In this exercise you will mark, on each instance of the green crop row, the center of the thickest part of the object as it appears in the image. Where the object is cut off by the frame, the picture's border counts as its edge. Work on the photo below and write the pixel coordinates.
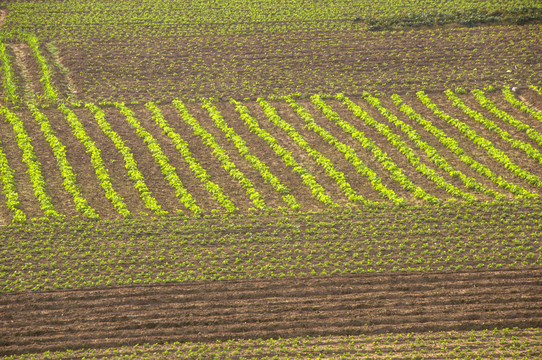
(199, 172)
(520, 105)
(66, 171)
(222, 156)
(30, 159)
(323, 161)
(492, 151)
(536, 89)
(396, 141)
(50, 91)
(308, 179)
(9, 189)
(529, 150)
(507, 118)
(432, 153)
(454, 147)
(243, 149)
(8, 78)
(131, 165)
(96, 160)
(156, 151)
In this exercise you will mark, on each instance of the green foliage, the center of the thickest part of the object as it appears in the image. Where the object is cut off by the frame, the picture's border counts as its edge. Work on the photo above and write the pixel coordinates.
(8, 78)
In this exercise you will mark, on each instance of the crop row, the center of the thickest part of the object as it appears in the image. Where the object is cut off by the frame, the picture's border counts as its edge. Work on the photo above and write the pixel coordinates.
(243, 149)
(159, 156)
(398, 143)
(507, 118)
(96, 160)
(527, 148)
(520, 105)
(66, 171)
(320, 159)
(504, 343)
(131, 165)
(50, 92)
(9, 189)
(431, 152)
(492, 151)
(454, 147)
(222, 156)
(8, 77)
(32, 162)
(308, 179)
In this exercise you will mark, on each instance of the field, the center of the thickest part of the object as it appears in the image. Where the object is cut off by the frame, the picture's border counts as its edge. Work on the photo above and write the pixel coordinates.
(262, 179)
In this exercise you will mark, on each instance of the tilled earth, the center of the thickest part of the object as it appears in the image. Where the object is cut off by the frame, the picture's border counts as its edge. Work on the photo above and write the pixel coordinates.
(288, 307)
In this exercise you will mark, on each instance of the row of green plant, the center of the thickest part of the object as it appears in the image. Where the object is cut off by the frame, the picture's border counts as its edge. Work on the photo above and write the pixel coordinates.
(199, 172)
(431, 152)
(503, 343)
(507, 118)
(34, 166)
(518, 144)
(521, 105)
(243, 149)
(536, 89)
(222, 156)
(66, 171)
(396, 141)
(50, 92)
(156, 151)
(9, 189)
(348, 151)
(130, 164)
(328, 166)
(487, 145)
(8, 77)
(96, 160)
(454, 147)
(318, 192)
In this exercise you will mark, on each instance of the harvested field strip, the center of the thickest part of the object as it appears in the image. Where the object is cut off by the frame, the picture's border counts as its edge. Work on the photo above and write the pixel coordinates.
(328, 306)
(222, 156)
(365, 241)
(495, 343)
(130, 163)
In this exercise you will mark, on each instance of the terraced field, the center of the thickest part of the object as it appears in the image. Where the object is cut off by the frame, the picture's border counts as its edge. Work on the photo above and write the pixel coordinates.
(241, 180)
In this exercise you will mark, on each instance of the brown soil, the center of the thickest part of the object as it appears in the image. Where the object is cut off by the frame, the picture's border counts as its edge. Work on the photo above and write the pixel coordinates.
(27, 70)
(3, 14)
(210, 311)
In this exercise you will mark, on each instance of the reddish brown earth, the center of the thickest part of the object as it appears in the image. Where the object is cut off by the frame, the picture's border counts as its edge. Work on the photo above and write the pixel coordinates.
(209, 311)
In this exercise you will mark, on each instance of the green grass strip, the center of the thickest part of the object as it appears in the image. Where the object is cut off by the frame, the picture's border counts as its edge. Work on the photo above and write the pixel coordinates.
(131, 165)
(517, 144)
(199, 172)
(221, 155)
(34, 166)
(8, 77)
(243, 149)
(348, 152)
(452, 145)
(156, 151)
(318, 192)
(96, 160)
(59, 150)
(485, 144)
(507, 118)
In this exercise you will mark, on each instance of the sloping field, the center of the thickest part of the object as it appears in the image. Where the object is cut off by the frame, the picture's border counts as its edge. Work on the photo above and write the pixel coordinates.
(259, 179)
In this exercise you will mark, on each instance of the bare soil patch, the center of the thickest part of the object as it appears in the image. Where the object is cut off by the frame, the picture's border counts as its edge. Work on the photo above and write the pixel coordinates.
(210, 311)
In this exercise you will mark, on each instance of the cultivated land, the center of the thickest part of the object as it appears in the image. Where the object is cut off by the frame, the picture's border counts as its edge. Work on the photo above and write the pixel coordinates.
(241, 179)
